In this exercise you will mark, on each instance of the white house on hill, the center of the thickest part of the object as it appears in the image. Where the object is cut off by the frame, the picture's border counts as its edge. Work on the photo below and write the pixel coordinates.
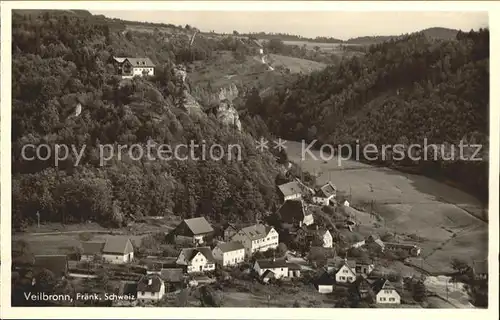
(130, 67)
(229, 254)
(257, 238)
(278, 267)
(196, 259)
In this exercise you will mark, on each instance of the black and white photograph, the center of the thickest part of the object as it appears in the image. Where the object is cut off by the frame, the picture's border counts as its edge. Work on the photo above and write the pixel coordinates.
(249, 158)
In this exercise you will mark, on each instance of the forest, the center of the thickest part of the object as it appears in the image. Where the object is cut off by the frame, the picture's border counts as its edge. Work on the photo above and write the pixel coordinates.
(402, 91)
(62, 60)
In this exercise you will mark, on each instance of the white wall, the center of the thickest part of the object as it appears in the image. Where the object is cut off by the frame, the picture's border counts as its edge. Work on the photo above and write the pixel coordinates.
(115, 259)
(308, 220)
(345, 275)
(327, 240)
(388, 296)
(278, 272)
(233, 257)
(293, 197)
(271, 241)
(152, 295)
(200, 264)
(325, 288)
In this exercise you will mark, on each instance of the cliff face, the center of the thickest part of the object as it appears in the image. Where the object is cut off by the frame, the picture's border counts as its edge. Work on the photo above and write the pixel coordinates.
(225, 111)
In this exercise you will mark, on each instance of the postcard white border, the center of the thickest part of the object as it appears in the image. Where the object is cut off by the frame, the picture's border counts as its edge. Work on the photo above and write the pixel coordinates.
(9, 312)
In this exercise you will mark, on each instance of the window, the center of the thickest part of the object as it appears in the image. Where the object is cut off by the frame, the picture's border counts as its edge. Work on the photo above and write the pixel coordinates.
(387, 291)
(345, 271)
(342, 278)
(392, 299)
(382, 299)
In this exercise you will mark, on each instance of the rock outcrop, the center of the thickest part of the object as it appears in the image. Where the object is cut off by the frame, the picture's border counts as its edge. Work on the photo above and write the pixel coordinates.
(185, 100)
(225, 111)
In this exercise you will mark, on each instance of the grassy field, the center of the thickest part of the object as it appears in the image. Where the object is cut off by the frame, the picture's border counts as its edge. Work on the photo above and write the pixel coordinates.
(444, 217)
(311, 45)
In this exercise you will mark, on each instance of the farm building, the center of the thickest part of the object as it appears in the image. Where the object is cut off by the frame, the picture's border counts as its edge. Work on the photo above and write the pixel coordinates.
(118, 250)
(91, 250)
(173, 278)
(385, 292)
(195, 230)
(325, 283)
(56, 264)
(411, 249)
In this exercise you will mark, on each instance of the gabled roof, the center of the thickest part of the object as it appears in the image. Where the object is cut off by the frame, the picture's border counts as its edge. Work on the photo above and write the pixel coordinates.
(326, 191)
(271, 264)
(172, 274)
(480, 267)
(92, 247)
(149, 283)
(118, 245)
(57, 264)
(140, 62)
(382, 284)
(198, 225)
(293, 211)
(325, 279)
(290, 188)
(190, 253)
(256, 231)
(230, 246)
(293, 266)
(338, 262)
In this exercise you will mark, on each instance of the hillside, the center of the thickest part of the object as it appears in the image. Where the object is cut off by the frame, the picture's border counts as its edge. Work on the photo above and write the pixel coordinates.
(401, 91)
(62, 60)
(433, 33)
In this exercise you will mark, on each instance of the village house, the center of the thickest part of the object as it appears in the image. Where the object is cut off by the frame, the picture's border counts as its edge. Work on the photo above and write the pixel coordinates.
(325, 195)
(325, 283)
(195, 230)
(295, 213)
(173, 278)
(257, 237)
(410, 249)
(278, 267)
(229, 253)
(385, 292)
(293, 270)
(326, 238)
(56, 264)
(198, 259)
(322, 236)
(91, 250)
(118, 250)
(150, 288)
(480, 270)
(290, 191)
(129, 67)
(346, 273)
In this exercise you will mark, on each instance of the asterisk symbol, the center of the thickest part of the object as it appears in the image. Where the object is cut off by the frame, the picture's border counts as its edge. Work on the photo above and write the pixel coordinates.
(280, 144)
(262, 144)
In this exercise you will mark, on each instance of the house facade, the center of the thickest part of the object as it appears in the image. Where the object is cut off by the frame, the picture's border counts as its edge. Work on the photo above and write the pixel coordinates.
(131, 67)
(364, 267)
(118, 250)
(325, 283)
(195, 230)
(229, 254)
(327, 238)
(257, 238)
(278, 267)
(150, 288)
(386, 293)
(325, 195)
(196, 259)
(290, 191)
(229, 232)
(345, 274)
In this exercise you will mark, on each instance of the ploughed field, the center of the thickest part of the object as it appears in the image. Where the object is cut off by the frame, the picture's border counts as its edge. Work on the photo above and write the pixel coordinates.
(445, 218)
